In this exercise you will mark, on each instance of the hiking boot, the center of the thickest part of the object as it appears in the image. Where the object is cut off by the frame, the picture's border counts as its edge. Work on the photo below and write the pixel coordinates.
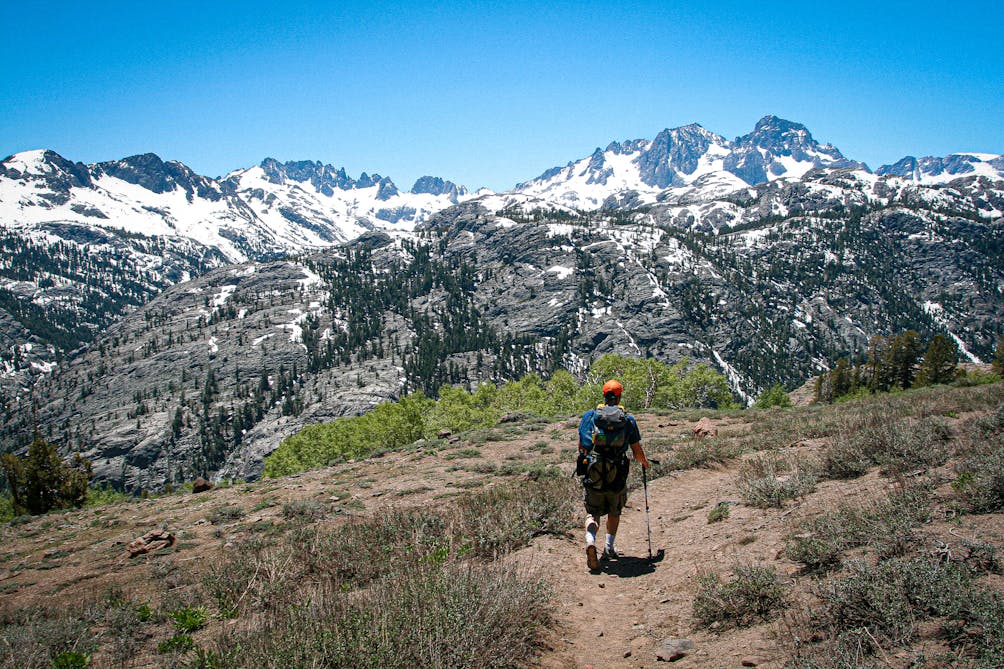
(591, 561)
(609, 554)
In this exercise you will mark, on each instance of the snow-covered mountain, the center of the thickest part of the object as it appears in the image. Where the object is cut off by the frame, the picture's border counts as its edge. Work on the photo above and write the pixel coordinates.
(932, 170)
(693, 164)
(636, 172)
(253, 213)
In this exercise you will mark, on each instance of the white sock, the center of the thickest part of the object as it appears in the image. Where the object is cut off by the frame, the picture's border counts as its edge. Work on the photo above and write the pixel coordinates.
(610, 541)
(590, 532)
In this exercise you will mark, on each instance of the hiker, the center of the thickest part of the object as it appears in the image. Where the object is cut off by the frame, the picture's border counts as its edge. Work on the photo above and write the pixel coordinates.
(604, 436)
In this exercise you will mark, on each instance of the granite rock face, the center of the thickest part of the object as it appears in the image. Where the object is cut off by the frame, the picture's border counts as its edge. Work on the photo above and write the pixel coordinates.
(768, 285)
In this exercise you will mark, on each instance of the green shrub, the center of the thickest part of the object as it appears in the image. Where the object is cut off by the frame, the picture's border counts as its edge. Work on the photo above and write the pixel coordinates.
(179, 643)
(7, 513)
(392, 425)
(304, 510)
(775, 396)
(719, 513)
(105, 494)
(189, 619)
(71, 659)
(753, 595)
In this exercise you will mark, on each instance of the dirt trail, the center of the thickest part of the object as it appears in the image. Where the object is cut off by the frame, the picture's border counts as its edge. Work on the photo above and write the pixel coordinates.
(619, 617)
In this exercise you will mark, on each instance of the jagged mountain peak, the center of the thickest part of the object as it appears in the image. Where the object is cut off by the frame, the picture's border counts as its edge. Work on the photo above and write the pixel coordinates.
(933, 169)
(43, 163)
(681, 157)
(437, 186)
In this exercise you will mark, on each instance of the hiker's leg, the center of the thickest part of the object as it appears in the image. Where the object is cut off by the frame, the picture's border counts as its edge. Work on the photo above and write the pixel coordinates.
(591, 527)
(614, 521)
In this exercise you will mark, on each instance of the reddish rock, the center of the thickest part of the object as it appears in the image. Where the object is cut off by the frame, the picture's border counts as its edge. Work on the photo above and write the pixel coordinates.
(201, 485)
(704, 428)
(154, 540)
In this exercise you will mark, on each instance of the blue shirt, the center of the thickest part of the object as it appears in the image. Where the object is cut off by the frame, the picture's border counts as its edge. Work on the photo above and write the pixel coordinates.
(586, 430)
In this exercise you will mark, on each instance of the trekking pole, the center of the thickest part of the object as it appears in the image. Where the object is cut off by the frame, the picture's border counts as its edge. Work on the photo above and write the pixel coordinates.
(648, 526)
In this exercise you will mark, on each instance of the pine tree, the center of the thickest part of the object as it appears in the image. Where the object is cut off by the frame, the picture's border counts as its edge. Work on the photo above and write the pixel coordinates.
(939, 363)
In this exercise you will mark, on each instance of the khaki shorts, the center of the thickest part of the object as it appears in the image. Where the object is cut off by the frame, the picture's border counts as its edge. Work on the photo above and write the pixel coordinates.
(605, 502)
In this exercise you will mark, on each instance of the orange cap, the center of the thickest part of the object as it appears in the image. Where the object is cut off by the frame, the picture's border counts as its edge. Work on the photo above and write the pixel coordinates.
(613, 386)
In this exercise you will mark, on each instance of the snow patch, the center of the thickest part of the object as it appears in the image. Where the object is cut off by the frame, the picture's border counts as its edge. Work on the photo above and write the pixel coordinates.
(937, 312)
(561, 271)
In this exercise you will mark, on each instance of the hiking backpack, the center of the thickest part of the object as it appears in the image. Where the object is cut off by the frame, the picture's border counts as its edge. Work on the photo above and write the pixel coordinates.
(606, 464)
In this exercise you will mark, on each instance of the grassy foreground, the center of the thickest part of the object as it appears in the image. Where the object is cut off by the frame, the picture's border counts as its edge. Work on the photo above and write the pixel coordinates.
(296, 572)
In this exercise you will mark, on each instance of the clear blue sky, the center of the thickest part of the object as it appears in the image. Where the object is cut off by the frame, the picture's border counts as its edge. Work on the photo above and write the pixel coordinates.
(489, 93)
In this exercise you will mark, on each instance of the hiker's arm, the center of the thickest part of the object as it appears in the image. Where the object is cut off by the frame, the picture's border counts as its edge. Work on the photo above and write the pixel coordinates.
(586, 432)
(639, 454)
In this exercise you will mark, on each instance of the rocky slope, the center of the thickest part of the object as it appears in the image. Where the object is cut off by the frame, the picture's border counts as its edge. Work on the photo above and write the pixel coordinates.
(768, 285)
(124, 319)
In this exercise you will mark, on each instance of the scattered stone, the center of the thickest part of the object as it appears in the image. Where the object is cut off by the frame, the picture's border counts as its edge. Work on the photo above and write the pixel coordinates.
(154, 540)
(674, 649)
(627, 654)
(751, 661)
(704, 428)
(602, 585)
(201, 485)
(443, 434)
(454, 439)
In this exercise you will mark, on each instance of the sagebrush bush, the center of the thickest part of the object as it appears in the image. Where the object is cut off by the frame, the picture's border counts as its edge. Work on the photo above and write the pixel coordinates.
(846, 459)
(888, 527)
(893, 597)
(753, 595)
(467, 615)
(980, 470)
(873, 608)
(225, 514)
(306, 510)
(898, 445)
(769, 479)
(31, 637)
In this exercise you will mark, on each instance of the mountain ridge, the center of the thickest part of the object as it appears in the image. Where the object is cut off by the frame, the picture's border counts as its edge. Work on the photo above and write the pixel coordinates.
(112, 273)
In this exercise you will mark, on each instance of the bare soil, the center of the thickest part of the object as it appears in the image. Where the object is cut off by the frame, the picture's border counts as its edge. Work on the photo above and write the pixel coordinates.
(617, 618)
